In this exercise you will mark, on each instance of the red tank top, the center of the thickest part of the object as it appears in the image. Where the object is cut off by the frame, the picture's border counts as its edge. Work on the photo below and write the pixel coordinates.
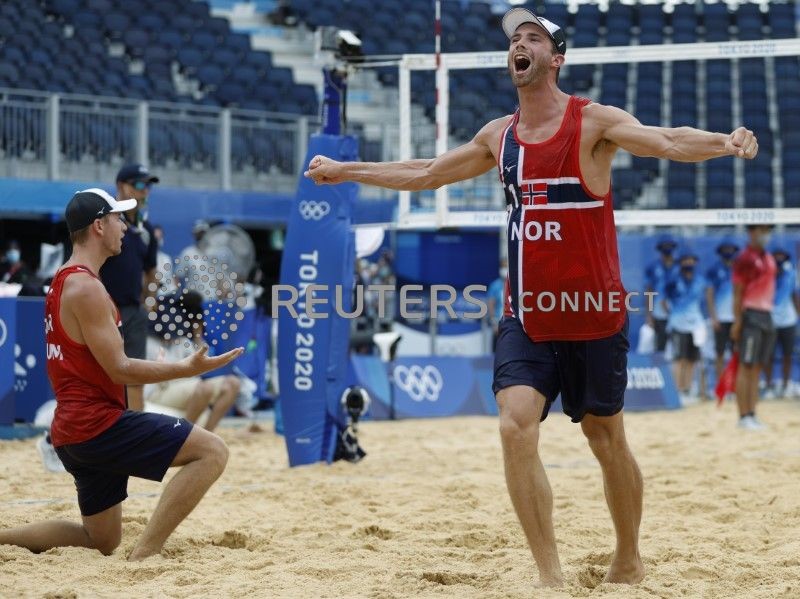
(755, 270)
(563, 266)
(87, 400)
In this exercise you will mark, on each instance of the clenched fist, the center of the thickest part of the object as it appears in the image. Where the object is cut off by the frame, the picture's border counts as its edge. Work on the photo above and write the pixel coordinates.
(742, 143)
(324, 171)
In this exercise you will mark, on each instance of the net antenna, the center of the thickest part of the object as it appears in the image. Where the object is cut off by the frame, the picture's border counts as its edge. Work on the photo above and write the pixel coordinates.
(444, 63)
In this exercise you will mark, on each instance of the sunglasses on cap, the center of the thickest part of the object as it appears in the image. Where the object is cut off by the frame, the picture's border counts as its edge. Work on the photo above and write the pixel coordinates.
(140, 185)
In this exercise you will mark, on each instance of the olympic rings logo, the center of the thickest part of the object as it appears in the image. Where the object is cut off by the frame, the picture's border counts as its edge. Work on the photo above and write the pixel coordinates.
(311, 210)
(420, 383)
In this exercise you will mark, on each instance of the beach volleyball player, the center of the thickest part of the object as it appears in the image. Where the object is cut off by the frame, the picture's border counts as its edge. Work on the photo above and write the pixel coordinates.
(554, 162)
(100, 442)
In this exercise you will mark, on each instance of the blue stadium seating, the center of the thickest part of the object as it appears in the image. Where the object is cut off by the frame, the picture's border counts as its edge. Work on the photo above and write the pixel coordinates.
(35, 51)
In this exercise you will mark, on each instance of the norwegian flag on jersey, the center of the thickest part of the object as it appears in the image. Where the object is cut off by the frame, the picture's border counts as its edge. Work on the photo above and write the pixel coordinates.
(534, 193)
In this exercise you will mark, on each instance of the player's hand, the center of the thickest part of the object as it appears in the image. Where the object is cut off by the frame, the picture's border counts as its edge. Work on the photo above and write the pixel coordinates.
(324, 171)
(200, 362)
(715, 324)
(742, 144)
(736, 329)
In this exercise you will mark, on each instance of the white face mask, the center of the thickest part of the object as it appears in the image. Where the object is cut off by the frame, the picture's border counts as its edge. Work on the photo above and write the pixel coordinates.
(503, 272)
(12, 256)
(763, 239)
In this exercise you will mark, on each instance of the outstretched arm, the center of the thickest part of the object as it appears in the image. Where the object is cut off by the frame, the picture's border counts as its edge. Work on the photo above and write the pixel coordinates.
(465, 162)
(88, 304)
(683, 144)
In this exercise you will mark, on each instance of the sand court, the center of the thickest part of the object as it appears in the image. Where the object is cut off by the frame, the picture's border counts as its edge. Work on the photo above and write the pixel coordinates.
(426, 514)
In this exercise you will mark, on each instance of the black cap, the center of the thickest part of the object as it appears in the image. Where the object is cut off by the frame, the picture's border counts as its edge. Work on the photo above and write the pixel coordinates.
(135, 172)
(518, 16)
(90, 204)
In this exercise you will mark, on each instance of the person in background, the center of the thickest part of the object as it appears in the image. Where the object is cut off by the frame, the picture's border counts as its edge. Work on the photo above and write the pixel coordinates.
(165, 272)
(127, 276)
(12, 268)
(656, 276)
(191, 258)
(784, 318)
(719, 299)
(193, 395)
(495, 295)
(683, 296)
(754, 273)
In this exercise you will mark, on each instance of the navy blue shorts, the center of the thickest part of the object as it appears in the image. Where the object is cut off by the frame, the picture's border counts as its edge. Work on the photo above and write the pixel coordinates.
(591, 376)
(138, 444)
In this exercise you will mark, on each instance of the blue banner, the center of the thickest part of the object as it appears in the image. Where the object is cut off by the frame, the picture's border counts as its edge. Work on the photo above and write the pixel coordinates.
(30, 368)
(427, 387)
(8, 336)
(319, 250)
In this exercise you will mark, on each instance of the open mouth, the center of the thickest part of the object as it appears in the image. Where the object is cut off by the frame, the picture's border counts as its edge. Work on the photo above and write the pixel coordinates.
(521, 63)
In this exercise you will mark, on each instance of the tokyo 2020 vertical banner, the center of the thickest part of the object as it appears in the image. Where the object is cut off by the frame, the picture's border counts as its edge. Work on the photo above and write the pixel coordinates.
(313, 352)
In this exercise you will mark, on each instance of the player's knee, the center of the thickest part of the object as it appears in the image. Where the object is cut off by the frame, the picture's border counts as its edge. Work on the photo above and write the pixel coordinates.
(516, 429)
(233, 384)
(216, 453)
(108, 541)
(204, 389)
(603, 442)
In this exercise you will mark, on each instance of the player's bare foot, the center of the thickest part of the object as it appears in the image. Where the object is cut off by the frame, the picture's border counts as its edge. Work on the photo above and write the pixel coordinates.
(625, 572)
(549, 583)
(138, 554)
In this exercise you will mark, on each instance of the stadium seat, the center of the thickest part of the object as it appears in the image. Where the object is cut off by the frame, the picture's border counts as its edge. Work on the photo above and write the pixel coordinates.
(720, 198)
(230, 93)
(65, 8)
(170, 39)
(681, 199)
(89, 20)
(210, 75)
(115, 25)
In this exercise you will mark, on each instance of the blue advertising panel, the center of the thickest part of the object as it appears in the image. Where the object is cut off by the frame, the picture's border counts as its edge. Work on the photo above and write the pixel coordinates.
(30, 368)
(426, 387)
(319, 250)
(8, 334)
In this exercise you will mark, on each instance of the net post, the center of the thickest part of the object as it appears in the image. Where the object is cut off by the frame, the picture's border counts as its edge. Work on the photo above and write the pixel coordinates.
(404, 88)
(442, 128)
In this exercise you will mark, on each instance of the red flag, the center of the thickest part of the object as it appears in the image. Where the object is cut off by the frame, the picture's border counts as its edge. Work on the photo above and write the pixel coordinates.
(727, 380)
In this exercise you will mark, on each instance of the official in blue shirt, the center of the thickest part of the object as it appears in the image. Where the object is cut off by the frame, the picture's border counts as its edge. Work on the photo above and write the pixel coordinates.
(784, 317)
(127, 276)
(656, 276)
(496, 295)
(683, 296)
(719, 299)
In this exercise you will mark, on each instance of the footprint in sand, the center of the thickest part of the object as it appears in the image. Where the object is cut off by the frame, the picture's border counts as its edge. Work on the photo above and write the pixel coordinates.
(449, 578)
(232, 539)
(373, 530)
(63, 594)
(591, 576)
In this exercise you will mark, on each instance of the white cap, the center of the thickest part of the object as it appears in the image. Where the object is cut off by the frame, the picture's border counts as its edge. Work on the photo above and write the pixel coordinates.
(519, 16)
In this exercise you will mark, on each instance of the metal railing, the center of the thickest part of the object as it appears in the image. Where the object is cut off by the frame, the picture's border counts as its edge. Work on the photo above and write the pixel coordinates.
(70, 136)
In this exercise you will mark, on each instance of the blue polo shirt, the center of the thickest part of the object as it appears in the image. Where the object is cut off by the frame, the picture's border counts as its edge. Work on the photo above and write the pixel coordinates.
(122, 274)
(656, 277)
(497, 290)
(719, 277)
(784, 315)
(684, 297)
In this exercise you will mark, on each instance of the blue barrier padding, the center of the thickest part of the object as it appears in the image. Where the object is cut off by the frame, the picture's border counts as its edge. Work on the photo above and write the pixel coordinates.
(8, 336)
(30, 366)
(427, 387)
